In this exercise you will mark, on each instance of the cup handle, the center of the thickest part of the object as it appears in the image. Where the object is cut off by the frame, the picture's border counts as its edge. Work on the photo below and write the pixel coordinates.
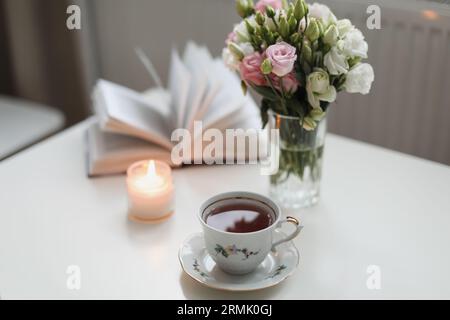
(297, 230)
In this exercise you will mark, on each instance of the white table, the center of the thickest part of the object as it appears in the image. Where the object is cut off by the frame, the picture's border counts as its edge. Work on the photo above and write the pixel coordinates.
(378, 208)
(23, 123)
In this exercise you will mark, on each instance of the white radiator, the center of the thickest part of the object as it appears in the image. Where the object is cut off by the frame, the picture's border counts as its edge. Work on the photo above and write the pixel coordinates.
(408, 108)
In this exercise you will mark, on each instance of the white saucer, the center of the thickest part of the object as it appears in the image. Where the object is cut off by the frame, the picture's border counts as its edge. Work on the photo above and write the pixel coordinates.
(199, 265)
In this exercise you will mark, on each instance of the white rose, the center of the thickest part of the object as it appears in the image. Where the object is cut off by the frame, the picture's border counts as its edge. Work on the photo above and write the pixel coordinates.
(318, 88)
(230, 59)
(241, 32)
(335, 62)
(321, 11)
(344, 26)
(354, 44)
(241, 29)
(359, 79)
(246, 48)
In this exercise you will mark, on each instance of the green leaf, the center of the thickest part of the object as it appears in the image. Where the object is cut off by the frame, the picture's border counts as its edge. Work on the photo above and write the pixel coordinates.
(324, 105)
(306, 67)
(339, 82)
(295, 107)
(265, 106)
(318, 59)
(266, 92)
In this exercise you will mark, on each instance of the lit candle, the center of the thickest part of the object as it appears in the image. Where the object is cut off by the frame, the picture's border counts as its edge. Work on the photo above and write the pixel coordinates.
(150, 191)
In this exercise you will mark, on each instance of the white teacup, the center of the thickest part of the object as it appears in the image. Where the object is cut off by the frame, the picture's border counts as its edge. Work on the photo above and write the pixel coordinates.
(240, 253)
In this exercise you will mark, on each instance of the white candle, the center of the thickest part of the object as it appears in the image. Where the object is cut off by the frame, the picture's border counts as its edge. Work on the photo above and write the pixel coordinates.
(150, 191)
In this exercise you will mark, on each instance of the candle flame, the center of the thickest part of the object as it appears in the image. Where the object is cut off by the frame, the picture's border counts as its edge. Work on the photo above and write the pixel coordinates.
(151, 169)
(148, 181)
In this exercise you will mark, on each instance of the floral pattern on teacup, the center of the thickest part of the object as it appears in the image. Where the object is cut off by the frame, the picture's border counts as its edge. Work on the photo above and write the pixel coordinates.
(233, 250)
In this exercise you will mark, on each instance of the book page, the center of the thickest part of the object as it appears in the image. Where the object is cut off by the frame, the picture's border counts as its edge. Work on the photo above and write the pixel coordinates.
(179, 82)
(126, 111)
(228, 100)
(159, 100)
(213, 85)
(247, 114)
(111, 153)
(196, 62)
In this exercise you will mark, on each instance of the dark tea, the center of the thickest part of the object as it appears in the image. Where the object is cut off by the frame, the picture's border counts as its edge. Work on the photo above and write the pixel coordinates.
(239, 215)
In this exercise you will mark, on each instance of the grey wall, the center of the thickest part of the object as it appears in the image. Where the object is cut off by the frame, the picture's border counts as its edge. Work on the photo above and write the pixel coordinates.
(43, 58)
(156, 26)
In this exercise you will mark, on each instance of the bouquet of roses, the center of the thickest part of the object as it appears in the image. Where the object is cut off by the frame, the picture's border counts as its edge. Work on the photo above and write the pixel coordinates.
(297, 56)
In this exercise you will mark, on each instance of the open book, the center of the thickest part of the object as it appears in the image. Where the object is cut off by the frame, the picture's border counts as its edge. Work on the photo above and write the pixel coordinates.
(133, 126)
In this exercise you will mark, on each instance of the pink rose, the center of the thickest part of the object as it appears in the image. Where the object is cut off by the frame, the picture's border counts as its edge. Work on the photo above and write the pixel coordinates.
(261, 5)
(232, 37)
(282, 57)
(289, 81)
(250, 69)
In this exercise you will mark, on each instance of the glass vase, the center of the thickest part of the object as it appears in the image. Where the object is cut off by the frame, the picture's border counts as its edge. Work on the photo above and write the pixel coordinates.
(296, 184)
